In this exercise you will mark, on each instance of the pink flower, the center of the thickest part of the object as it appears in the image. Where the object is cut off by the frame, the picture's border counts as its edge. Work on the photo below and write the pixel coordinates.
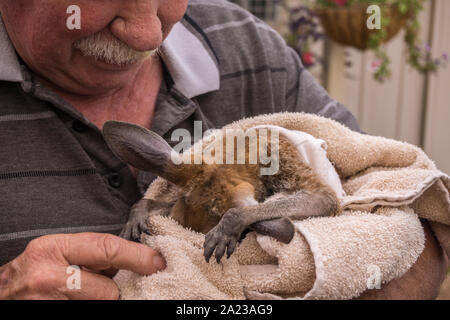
(375, 65)
(308, 58)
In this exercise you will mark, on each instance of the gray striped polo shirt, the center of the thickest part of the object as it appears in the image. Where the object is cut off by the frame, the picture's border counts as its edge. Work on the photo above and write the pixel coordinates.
(58, 176)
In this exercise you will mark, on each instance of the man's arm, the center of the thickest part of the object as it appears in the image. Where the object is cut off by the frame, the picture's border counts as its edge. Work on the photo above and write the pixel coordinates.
(306, 95)
(422, 281)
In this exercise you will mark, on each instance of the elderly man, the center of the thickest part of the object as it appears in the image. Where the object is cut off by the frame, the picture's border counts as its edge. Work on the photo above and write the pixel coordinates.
(62, 186)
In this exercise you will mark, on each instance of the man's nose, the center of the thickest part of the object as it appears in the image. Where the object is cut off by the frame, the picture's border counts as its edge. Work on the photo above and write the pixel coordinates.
(138, 25)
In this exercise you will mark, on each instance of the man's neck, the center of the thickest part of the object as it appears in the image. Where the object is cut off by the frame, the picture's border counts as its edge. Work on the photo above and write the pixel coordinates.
(134, 102)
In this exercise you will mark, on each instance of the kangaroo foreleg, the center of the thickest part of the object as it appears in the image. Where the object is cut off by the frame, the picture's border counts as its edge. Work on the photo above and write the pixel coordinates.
(137, 221)
(297, 206)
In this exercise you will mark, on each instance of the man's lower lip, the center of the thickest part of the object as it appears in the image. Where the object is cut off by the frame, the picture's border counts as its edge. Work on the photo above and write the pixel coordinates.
(124, 65)
(113, 65)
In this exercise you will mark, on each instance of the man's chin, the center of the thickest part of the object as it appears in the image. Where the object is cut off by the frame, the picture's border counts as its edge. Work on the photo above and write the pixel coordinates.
(94, 77)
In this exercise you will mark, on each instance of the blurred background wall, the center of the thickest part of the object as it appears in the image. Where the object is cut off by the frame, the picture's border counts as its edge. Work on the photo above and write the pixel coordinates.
(409, 106)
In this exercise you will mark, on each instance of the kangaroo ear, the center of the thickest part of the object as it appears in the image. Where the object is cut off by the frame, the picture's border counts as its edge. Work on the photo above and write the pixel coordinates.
(141, 148)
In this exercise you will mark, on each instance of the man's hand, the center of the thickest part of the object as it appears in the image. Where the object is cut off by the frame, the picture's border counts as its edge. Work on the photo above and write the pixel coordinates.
(40, 272)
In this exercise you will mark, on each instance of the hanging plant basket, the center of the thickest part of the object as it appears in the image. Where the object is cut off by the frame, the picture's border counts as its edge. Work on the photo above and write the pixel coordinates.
(348, 25)
(345, 22)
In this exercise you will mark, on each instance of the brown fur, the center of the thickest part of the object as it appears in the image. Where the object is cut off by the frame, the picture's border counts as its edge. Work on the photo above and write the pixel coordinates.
(210, 190)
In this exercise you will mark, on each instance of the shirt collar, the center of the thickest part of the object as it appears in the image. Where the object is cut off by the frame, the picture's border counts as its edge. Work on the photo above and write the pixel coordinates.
(193, 70)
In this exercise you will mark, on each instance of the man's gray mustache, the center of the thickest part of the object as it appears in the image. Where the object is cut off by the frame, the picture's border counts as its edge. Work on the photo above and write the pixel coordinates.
(110, 50)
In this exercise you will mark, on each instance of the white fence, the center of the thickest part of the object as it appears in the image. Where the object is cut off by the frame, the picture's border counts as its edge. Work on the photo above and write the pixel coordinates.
(410, 107)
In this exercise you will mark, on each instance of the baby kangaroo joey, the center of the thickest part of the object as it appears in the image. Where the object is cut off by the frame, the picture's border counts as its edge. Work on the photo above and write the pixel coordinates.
(223, 200)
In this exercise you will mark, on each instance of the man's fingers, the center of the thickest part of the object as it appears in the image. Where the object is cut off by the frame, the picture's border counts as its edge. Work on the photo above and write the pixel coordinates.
(110, 272)
(103, 251)
(92, 286)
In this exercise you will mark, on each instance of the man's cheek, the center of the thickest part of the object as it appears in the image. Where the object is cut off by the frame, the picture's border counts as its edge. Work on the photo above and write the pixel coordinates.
(171, 11)
(82, 20)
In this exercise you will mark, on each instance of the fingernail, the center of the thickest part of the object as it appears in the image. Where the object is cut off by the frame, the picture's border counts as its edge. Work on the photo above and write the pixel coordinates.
(159, 263)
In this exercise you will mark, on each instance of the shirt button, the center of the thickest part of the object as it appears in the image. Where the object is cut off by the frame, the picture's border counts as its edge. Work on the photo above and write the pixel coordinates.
(79, 126)
(115, 180)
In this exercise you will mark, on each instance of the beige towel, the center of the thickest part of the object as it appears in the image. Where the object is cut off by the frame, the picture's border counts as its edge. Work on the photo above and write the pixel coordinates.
(388, 185)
